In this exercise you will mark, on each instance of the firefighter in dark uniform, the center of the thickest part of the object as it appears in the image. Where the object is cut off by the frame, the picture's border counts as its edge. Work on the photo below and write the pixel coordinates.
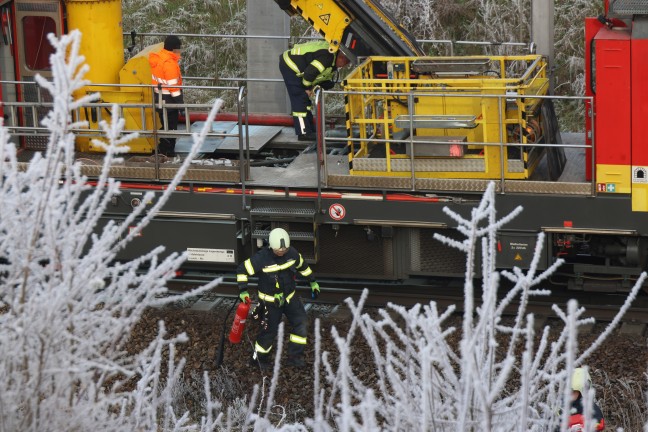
(275, 267)
(304, 67)
(580, 383)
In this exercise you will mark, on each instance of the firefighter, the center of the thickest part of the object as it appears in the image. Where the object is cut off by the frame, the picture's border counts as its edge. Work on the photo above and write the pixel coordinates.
(304, 67)
(165, 76)
(275, 267)
(581, 382)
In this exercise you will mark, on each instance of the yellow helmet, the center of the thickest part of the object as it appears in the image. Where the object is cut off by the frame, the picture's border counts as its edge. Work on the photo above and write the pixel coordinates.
(581, 380)
(279, 239)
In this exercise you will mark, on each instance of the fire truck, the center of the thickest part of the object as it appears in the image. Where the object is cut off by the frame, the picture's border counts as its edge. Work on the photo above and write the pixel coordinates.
(420, 133)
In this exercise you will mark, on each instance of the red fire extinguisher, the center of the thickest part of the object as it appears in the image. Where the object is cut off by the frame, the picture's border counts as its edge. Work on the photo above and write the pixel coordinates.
(239, 322)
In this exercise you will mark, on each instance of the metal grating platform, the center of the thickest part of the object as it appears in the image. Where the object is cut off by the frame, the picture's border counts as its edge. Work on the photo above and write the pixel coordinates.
(294, 235)
(283, 211)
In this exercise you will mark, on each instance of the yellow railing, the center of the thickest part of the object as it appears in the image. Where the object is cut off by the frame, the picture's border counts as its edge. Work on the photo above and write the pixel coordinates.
(453, 108)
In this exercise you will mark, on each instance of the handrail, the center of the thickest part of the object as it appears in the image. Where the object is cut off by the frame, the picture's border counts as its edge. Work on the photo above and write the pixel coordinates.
(13, 108)
(501, 98)
(23, 118)
(320, 157)
(242, 105)
(451, 48)
(451, 43)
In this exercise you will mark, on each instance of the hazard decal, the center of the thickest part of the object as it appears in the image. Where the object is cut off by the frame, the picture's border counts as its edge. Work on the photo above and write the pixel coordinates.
(325, 18)
(337, 212)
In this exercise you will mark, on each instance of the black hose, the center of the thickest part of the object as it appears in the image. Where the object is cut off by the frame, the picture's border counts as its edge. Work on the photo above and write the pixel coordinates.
(221, 348)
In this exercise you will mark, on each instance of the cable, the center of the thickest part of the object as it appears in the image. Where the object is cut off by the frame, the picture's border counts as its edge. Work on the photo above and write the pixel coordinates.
(220, 353)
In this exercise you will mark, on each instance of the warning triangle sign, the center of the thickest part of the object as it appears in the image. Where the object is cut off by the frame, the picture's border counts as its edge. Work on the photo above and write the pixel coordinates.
(326, 18)
(518, 257)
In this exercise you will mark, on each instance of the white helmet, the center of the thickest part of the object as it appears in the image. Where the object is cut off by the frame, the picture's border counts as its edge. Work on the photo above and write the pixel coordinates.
(581, 380)
(279, 239)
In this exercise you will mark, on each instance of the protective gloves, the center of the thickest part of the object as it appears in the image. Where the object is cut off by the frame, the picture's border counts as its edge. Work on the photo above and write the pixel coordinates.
(315, 290)
(245, 297)
(279, 300)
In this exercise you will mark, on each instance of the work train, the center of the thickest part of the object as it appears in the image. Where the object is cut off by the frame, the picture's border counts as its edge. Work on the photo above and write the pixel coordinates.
(419, 134)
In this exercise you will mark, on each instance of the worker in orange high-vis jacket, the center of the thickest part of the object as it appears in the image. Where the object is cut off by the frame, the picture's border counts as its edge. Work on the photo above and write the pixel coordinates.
(167, 80)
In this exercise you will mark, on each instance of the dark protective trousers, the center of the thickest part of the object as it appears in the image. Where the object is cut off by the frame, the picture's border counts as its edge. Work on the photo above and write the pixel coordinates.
(167, 145)
(299, 100)
(296, 315)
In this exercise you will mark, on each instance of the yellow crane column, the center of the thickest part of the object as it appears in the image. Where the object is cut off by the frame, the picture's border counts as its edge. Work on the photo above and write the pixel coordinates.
(102, 44)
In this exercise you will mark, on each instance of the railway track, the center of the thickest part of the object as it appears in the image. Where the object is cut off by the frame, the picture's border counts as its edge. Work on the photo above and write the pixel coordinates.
(207, 321)
(603, 307)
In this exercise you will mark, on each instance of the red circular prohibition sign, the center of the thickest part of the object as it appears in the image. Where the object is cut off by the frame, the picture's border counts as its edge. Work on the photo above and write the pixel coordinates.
(337, 211)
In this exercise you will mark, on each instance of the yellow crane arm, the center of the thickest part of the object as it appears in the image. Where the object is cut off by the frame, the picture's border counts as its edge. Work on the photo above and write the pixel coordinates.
(362, 27)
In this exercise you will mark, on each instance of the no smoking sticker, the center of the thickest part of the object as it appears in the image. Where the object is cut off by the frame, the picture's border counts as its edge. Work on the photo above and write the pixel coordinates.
(337, 212)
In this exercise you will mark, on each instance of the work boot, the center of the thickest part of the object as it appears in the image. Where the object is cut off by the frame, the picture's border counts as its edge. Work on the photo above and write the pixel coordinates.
(261, 362)
(167, 149)
(296, 362)
(308, 136)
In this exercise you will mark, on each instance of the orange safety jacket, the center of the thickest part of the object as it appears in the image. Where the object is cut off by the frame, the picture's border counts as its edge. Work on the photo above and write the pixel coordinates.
(165, 70)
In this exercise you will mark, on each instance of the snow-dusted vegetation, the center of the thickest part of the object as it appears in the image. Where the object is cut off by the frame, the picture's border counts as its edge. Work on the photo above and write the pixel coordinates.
(500, 376)
(467, 20)
(67, 310)
(66, 307)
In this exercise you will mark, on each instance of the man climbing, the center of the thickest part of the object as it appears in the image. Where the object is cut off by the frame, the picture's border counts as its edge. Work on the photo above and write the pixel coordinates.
(304, 67)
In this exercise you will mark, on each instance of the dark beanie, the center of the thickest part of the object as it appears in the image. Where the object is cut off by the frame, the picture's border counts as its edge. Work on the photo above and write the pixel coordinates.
(172, 42)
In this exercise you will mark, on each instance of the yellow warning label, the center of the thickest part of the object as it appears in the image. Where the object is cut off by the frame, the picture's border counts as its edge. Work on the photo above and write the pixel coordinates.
(326, 18)
(518, 257)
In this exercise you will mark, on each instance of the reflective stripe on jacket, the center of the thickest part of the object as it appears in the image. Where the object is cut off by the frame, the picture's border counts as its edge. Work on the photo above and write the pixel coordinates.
(276, 273)
(165, 70)
(312, 62)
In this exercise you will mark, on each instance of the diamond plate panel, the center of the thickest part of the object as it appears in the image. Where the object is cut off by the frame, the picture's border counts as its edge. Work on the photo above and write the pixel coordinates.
(428, 165)
(370, 182)
(457, 185)
(31, 94)
(461, 185)
(562, 188)
(629, 7)
(515, 166)
(206, 175)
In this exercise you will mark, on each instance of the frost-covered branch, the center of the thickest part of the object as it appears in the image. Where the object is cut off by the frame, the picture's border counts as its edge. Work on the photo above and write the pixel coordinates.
(67, 307)
(495, 374)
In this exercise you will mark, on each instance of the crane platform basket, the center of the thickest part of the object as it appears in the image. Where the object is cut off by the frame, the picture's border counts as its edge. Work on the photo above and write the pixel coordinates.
(478, 117)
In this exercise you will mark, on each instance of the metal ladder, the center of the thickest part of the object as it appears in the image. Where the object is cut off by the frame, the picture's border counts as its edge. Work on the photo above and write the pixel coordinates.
(297, 217)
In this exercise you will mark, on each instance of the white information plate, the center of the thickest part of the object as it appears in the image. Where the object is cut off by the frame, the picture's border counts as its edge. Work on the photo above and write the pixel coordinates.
(210, 255)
